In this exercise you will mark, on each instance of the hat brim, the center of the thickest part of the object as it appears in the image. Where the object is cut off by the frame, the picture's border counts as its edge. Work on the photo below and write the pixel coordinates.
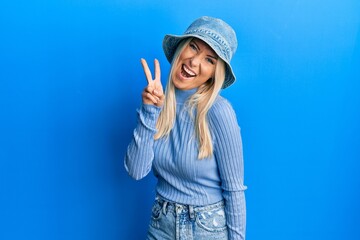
(171, 42)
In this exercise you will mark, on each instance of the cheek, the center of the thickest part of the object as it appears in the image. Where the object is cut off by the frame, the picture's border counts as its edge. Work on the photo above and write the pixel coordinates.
(209, 71)
(177, 67)
(184, 55)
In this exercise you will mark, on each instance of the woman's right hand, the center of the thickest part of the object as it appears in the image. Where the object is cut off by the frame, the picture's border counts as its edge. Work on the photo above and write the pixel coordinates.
(153, 93)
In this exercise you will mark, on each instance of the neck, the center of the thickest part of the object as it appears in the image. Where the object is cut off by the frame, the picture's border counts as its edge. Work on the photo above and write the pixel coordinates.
(183, 95)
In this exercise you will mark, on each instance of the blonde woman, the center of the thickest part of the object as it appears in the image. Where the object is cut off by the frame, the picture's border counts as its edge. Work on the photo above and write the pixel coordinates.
(190, 137)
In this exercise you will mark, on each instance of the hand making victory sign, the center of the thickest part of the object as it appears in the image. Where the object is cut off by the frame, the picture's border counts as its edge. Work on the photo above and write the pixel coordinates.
(153, 93)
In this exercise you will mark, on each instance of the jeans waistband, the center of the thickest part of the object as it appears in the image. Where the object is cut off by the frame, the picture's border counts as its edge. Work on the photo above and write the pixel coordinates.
(187, 208)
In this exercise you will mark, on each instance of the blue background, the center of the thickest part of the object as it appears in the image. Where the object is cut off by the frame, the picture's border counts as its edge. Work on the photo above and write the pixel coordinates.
(71, 79)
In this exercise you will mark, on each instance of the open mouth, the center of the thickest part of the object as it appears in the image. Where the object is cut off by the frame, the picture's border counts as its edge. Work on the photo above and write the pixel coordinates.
(186, 72)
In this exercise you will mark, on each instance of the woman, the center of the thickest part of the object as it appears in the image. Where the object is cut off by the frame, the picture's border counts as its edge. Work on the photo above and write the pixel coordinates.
(191, 139)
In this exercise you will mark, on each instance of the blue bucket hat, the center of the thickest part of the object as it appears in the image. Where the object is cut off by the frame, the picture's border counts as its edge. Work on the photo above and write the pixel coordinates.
(216, 33)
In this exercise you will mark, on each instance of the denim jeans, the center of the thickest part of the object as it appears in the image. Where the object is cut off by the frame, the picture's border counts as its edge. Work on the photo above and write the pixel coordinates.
(173, 221)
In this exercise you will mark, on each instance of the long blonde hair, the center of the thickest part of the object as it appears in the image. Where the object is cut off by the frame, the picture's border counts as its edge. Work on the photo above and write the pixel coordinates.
(202, 101)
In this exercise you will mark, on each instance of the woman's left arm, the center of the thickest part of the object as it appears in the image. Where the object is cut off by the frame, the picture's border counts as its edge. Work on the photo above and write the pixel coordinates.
(229, 156)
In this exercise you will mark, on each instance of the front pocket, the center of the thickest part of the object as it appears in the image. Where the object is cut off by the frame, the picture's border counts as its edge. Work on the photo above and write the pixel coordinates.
(212, 220)
(156, 211)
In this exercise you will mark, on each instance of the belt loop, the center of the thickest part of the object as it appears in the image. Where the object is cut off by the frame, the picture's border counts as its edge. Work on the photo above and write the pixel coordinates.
(164, 207)
(191, 212)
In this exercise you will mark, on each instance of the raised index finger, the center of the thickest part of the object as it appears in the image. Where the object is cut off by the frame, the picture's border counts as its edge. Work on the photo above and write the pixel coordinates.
(146, 70)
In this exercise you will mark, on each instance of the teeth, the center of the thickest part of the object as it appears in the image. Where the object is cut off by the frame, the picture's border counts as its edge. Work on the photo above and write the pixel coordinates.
(188, 71)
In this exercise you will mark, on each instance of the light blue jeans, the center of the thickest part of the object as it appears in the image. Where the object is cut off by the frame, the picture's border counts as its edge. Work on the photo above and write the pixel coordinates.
(173, 221)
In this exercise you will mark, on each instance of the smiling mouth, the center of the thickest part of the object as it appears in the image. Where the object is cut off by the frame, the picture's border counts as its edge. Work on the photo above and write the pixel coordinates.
(186, 72)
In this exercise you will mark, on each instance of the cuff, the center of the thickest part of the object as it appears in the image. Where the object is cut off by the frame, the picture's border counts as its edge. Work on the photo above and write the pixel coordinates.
(149, 115)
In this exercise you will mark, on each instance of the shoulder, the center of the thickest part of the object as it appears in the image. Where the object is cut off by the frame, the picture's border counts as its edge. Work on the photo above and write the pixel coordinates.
(222, 118)
(221, 108)
(222, 114)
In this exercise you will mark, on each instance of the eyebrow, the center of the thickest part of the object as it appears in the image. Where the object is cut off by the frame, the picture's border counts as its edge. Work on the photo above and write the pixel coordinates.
(206, 55)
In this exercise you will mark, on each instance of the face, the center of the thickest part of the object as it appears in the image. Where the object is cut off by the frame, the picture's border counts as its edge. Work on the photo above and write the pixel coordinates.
(195, 66)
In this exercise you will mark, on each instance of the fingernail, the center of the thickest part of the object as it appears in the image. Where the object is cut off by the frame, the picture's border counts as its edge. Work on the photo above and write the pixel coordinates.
(156, 91)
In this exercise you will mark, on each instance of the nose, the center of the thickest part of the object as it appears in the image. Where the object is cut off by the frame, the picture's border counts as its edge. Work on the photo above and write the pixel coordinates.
(195, 60)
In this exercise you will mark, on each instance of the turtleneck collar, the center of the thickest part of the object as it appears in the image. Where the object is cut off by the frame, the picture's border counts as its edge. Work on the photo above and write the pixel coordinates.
(183, 95)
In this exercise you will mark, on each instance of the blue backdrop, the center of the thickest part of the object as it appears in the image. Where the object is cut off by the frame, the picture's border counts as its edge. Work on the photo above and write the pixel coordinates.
(71, 79)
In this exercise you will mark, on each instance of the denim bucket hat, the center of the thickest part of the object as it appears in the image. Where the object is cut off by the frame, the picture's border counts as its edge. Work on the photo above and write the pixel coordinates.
(216, 33)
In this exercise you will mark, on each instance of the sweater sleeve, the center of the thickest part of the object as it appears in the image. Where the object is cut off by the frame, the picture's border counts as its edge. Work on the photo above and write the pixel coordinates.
(229, 156)
(140, 153)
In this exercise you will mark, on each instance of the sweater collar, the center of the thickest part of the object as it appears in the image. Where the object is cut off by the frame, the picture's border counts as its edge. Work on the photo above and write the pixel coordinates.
(183, 95)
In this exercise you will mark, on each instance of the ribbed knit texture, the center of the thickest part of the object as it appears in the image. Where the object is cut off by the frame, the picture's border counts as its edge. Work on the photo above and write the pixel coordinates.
(182, 177)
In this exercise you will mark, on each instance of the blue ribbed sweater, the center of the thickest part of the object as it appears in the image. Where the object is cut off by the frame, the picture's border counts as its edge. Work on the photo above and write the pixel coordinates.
(182, 177)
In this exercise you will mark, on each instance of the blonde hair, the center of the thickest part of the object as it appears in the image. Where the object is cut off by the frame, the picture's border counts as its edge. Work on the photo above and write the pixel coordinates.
(202, 101)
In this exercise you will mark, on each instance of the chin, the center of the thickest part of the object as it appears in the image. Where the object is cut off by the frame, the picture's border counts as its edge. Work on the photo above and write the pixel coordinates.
(178, 84)
(181, 86)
